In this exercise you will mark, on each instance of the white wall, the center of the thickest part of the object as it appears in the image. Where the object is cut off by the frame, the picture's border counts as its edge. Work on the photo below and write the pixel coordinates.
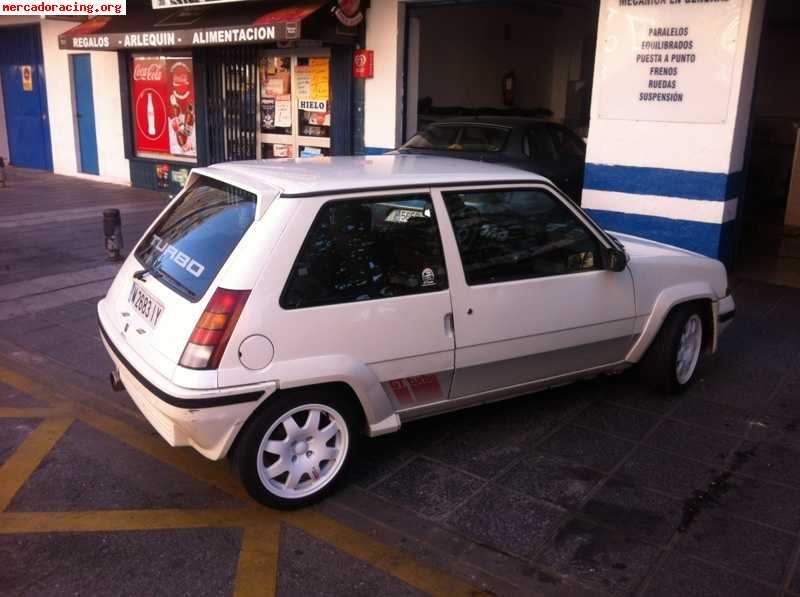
(382, 92)
(107, 109)
(697, 147)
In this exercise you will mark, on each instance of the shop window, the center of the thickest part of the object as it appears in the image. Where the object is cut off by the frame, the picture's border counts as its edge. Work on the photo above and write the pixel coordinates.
(295, 102)
(163, 107)
(368, 249)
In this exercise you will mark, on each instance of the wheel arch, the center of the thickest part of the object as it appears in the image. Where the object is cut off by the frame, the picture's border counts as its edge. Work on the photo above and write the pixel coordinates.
(669, 300)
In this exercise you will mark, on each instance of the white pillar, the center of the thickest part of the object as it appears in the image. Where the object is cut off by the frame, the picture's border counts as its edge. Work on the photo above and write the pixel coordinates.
(670, 110)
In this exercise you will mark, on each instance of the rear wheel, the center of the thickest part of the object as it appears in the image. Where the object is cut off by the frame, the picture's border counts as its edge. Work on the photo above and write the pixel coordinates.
(671, 361)
(296, 449)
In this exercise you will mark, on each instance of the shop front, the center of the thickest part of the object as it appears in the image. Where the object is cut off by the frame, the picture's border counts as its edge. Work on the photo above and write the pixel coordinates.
(235, 81)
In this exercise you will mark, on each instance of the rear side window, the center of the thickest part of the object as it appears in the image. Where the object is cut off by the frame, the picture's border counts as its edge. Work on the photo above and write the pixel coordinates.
(194, 239)
(367, 249)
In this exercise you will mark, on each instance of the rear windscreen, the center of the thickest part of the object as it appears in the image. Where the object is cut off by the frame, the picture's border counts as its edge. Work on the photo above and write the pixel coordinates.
(467, 137)
(195, 237)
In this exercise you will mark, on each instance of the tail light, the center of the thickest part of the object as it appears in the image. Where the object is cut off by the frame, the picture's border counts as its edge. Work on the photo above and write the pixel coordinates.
(207, 343)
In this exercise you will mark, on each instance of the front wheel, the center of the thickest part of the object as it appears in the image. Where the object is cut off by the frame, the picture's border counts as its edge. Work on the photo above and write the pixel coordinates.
(671, 361)
(296, 449)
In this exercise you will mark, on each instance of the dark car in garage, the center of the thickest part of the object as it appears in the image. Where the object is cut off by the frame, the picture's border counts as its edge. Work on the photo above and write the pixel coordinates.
(546, 148)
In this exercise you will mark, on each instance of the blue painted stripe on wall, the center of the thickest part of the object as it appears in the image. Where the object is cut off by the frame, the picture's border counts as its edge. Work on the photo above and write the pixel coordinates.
(707, 186)
(376, 150)
(712, 240)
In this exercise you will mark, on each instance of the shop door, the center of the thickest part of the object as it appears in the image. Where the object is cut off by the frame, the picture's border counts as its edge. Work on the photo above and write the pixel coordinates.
(295, 105)
(25, 98)
(84, 112)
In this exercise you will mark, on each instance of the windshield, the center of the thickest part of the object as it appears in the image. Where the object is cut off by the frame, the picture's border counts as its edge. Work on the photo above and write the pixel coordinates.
(192, 241)
(466, 137)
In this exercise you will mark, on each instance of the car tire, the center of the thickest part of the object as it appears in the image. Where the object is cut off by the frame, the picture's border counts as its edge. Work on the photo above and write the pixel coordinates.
(670, 364)
(288, 457)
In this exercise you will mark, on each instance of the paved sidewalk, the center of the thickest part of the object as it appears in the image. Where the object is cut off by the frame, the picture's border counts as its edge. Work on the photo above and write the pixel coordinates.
(599, 488)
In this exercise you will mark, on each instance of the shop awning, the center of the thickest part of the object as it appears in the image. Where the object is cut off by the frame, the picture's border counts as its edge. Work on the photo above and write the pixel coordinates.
(196, 26)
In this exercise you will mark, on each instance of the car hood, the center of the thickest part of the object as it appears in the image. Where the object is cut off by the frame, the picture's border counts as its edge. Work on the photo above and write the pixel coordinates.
(638, 247)
(657, 265)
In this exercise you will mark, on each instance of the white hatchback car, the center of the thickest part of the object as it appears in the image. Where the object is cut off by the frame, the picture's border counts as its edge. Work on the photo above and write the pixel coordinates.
(277, 309)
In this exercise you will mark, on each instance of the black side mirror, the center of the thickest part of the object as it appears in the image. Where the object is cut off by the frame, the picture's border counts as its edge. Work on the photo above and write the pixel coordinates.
(616, 259)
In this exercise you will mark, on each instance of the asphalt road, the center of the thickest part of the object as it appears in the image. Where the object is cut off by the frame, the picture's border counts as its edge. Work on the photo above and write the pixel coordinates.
(596, 488)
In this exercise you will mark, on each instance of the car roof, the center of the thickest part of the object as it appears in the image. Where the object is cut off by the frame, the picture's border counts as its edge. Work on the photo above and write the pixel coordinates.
(328, 175)
(508, 121)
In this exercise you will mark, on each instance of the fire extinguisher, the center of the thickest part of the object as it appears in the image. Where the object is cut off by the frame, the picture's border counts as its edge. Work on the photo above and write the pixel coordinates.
(509, 82)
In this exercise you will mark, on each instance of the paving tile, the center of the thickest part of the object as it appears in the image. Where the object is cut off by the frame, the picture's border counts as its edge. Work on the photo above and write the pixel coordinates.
(713, 416)
(508, 521)
(430, 489)
(763, 552)
(683, 576)
(761, 501)
(635, 511)
(89, 470)
(483, 448)
(197, 562)
(794, 585)
(772, 429)
(628, 390)
(550, 479)
(666, 472)
(616, 420)
(605, 559)
(772, 461)
(786, 402)
(378, 458)
(12, 433)
(586, 447)
(309, 567)
(693, 442)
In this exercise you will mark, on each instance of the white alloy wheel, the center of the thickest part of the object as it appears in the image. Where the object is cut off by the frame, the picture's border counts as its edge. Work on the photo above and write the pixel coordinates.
(691, 343)
(302, 451)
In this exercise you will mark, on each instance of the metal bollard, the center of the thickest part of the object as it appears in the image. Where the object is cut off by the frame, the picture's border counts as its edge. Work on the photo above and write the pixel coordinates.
(2, 172)
(112, 228)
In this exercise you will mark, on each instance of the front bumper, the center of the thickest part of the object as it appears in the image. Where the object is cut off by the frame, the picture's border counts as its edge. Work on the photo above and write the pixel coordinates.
(208, 423)
(726, 312)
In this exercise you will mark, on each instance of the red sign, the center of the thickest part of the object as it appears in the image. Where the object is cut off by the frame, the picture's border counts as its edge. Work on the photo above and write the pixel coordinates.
(363, 64)
(163, 105)
(149, 87)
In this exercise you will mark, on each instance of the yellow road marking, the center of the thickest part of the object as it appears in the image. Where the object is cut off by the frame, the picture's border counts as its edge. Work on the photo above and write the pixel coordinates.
(33, 412)
(381, 556)
(257, 574)
(21, 464)
(118, 520)
(186, 460)
(258, 562)
(28, 386)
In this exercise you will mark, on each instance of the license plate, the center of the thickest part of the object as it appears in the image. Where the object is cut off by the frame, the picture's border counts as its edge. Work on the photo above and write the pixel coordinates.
(147, 306)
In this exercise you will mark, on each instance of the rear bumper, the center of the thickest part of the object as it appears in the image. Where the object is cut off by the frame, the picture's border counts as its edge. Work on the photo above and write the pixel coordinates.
(207, 421)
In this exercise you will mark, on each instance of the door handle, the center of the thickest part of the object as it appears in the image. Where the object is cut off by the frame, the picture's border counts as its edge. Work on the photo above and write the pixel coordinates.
(449, 328)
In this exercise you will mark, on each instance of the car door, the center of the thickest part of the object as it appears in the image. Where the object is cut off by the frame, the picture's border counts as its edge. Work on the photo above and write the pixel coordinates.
(370, 281)
(531, 297)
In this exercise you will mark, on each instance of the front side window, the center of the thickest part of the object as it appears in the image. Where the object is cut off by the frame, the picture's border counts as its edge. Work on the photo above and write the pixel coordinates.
(368, 249)
(507, 235)
(192, 241)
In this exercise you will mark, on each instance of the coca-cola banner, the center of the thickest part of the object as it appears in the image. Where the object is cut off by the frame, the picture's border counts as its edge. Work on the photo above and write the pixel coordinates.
(163, 106)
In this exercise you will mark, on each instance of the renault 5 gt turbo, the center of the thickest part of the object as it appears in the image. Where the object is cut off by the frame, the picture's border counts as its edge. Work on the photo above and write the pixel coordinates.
(277, 310)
